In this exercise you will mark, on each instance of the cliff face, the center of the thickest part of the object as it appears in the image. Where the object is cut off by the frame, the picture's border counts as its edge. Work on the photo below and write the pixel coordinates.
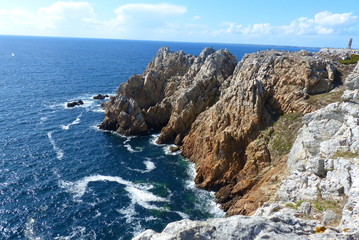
(222, 139)
(217, 109)
(319, 197)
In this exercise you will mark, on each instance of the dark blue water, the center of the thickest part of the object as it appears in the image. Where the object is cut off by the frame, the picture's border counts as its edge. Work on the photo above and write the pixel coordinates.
(61, 177)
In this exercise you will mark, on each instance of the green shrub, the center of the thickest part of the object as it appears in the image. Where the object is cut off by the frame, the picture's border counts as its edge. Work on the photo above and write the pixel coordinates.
(346, 155)
(295, 205)
(354, 58)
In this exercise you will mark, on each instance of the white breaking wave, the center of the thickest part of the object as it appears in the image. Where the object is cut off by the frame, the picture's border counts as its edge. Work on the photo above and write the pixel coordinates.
(78, 232)
(138, 193)
(76, 121)
(206, 198)
(166, 147)
(149, 166)
(154, 138)
(183, 215)
(43, 119)
(130, 149)
(59, 152)
(167, 150)
(29, 230)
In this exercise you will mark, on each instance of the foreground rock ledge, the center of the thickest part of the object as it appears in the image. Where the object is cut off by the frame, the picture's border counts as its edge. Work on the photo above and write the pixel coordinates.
(242, 227)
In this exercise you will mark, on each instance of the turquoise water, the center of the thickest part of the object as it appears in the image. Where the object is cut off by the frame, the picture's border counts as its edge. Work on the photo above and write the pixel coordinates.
(63, 178)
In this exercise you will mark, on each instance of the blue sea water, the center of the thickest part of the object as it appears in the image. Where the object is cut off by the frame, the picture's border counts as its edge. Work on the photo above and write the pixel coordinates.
(63, 178)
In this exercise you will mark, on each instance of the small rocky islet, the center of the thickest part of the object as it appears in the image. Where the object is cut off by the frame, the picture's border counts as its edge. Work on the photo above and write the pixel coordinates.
(276, 135)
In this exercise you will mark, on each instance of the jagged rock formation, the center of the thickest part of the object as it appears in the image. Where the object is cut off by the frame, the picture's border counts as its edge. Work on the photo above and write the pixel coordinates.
(222, 143)
(172, 91)
(216, 108)
(322, 186)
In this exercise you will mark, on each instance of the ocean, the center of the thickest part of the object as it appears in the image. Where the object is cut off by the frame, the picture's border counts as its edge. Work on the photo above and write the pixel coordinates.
(63, 178)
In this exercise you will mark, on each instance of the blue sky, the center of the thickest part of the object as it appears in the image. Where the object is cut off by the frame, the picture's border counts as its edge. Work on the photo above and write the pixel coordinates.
(316, 23)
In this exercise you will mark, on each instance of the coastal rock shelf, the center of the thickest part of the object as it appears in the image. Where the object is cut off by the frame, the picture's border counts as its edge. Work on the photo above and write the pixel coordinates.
(237, 121)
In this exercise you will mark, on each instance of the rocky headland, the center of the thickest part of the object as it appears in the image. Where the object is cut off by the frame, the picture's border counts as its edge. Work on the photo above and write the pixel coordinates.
(242, 124)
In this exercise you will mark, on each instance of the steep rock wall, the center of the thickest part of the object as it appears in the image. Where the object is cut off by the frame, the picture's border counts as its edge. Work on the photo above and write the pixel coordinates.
(216, 109)
(263, 86)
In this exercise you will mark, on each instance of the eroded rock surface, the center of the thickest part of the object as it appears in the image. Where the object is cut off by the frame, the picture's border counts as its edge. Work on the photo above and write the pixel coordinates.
(277, 226)
(322, 187)
(324, 160)
(216, 108)
(263, 86)
(173, 90)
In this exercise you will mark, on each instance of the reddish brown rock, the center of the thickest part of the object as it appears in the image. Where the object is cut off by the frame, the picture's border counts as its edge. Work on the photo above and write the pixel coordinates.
(222, 139)
(217, 109)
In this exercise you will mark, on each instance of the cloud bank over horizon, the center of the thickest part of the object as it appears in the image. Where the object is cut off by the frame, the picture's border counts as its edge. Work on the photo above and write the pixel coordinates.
(172, 22)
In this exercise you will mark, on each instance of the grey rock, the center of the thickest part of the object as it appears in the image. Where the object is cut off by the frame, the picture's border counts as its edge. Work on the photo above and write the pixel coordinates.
(305, 208)
(278, 226)
(329, 217)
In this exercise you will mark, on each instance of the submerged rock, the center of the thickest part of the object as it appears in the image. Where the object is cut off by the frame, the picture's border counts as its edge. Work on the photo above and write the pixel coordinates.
(73, 104)
(100, 97)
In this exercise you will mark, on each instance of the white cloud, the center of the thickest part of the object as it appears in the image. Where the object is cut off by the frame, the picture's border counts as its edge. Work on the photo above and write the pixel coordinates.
(61, 18)
(323, 23)
(257, 29)
(145, 16)
(327, 18)
(196, 18)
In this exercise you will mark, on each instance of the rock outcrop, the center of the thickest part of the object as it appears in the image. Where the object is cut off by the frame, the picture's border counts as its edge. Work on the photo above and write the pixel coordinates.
(320, 192)
(216, 109)
(222, 143)
(172, 91)
(100, 97)
(73, 104)
(324, 160)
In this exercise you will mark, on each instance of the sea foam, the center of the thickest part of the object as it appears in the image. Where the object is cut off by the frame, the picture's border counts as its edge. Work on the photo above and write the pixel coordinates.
(138, 193)
(148, 164)
(76, 121)
(59, 152)
(204, 197)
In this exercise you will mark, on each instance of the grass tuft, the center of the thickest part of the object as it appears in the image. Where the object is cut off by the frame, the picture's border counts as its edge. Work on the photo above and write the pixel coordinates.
(354, 58)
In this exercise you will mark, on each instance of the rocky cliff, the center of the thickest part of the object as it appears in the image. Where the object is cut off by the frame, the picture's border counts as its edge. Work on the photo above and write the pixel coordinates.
(222, 113)
(318, 198)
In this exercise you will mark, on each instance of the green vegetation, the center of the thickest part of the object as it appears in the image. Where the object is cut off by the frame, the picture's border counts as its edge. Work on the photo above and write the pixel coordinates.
(347, 155)
(322, 205)
(324, 99)
(354, 58)
(281, 136)
(295, 205)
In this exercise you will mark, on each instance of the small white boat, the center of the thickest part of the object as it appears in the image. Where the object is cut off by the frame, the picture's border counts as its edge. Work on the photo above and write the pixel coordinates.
(13, 54)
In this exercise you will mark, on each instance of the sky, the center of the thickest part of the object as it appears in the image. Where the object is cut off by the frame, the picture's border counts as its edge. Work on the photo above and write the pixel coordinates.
(309, 23)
